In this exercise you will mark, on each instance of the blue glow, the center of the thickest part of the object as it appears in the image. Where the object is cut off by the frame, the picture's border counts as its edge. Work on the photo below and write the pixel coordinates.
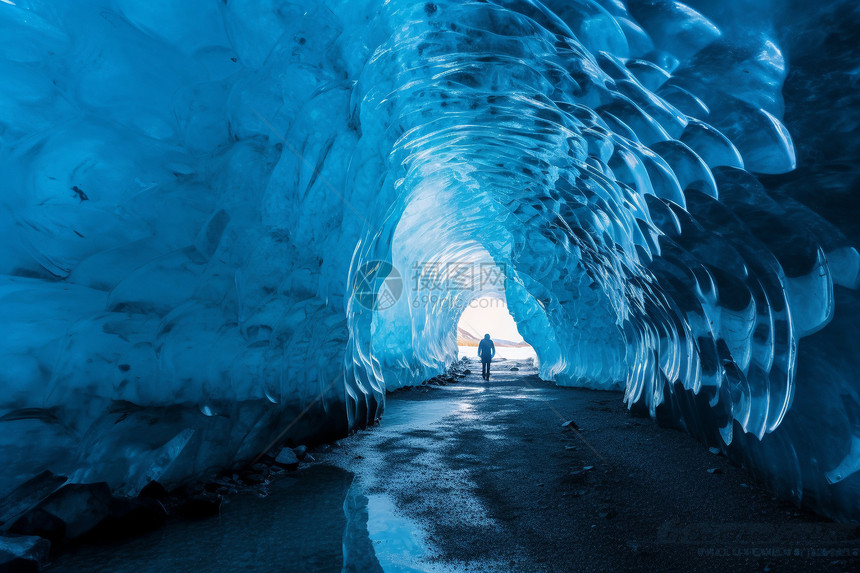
(198, 195)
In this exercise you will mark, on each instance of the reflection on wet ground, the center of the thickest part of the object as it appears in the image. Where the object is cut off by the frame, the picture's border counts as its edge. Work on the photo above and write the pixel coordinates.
(411, 460)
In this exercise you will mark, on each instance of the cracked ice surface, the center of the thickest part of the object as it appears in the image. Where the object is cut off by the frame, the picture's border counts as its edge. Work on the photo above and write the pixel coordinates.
(193, 192)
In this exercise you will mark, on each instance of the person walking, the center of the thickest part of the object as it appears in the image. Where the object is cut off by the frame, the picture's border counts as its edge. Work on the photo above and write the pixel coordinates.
(486, 350)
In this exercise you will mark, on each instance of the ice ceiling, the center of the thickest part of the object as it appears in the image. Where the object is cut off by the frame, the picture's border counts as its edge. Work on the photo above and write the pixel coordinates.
(199, 197)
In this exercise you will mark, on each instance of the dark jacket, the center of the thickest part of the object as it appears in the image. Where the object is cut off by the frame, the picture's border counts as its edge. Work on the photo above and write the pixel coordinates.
(486, 349)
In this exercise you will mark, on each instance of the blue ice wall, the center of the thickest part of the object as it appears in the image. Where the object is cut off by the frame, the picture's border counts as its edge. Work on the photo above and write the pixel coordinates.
(220, 214)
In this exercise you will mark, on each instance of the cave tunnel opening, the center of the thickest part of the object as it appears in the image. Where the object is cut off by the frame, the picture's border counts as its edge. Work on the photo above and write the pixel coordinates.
(490, 315)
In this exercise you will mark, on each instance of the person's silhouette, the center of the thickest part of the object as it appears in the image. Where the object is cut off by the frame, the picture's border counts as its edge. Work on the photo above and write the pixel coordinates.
(486, 350)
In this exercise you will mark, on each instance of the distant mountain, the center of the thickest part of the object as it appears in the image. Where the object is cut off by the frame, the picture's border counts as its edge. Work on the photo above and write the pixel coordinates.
(466, 338)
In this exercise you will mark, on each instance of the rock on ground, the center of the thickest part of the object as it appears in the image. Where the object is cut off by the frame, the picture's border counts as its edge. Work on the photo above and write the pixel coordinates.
(25, 553)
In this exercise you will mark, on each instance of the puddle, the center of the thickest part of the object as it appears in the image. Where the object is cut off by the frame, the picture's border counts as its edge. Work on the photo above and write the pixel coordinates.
(418, 414)
(380, 539)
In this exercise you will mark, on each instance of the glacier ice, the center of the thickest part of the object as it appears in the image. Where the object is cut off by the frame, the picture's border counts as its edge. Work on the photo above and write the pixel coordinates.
(200, 196)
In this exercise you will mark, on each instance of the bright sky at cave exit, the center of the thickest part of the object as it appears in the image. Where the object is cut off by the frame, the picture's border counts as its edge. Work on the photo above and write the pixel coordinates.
(490, 316)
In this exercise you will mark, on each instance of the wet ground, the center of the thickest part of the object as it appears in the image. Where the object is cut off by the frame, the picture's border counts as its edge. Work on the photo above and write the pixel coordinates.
(484, 477)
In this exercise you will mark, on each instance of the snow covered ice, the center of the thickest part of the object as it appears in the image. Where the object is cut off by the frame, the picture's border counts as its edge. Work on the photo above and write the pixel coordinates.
(197, 196)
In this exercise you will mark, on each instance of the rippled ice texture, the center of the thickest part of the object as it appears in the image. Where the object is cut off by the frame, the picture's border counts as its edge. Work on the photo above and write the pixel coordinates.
(194, 191)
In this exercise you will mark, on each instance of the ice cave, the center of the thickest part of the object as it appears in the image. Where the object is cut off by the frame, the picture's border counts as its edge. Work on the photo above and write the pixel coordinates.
(217, 215)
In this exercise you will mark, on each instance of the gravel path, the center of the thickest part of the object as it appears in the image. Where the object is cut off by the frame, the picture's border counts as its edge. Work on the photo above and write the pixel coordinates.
(491, 481)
